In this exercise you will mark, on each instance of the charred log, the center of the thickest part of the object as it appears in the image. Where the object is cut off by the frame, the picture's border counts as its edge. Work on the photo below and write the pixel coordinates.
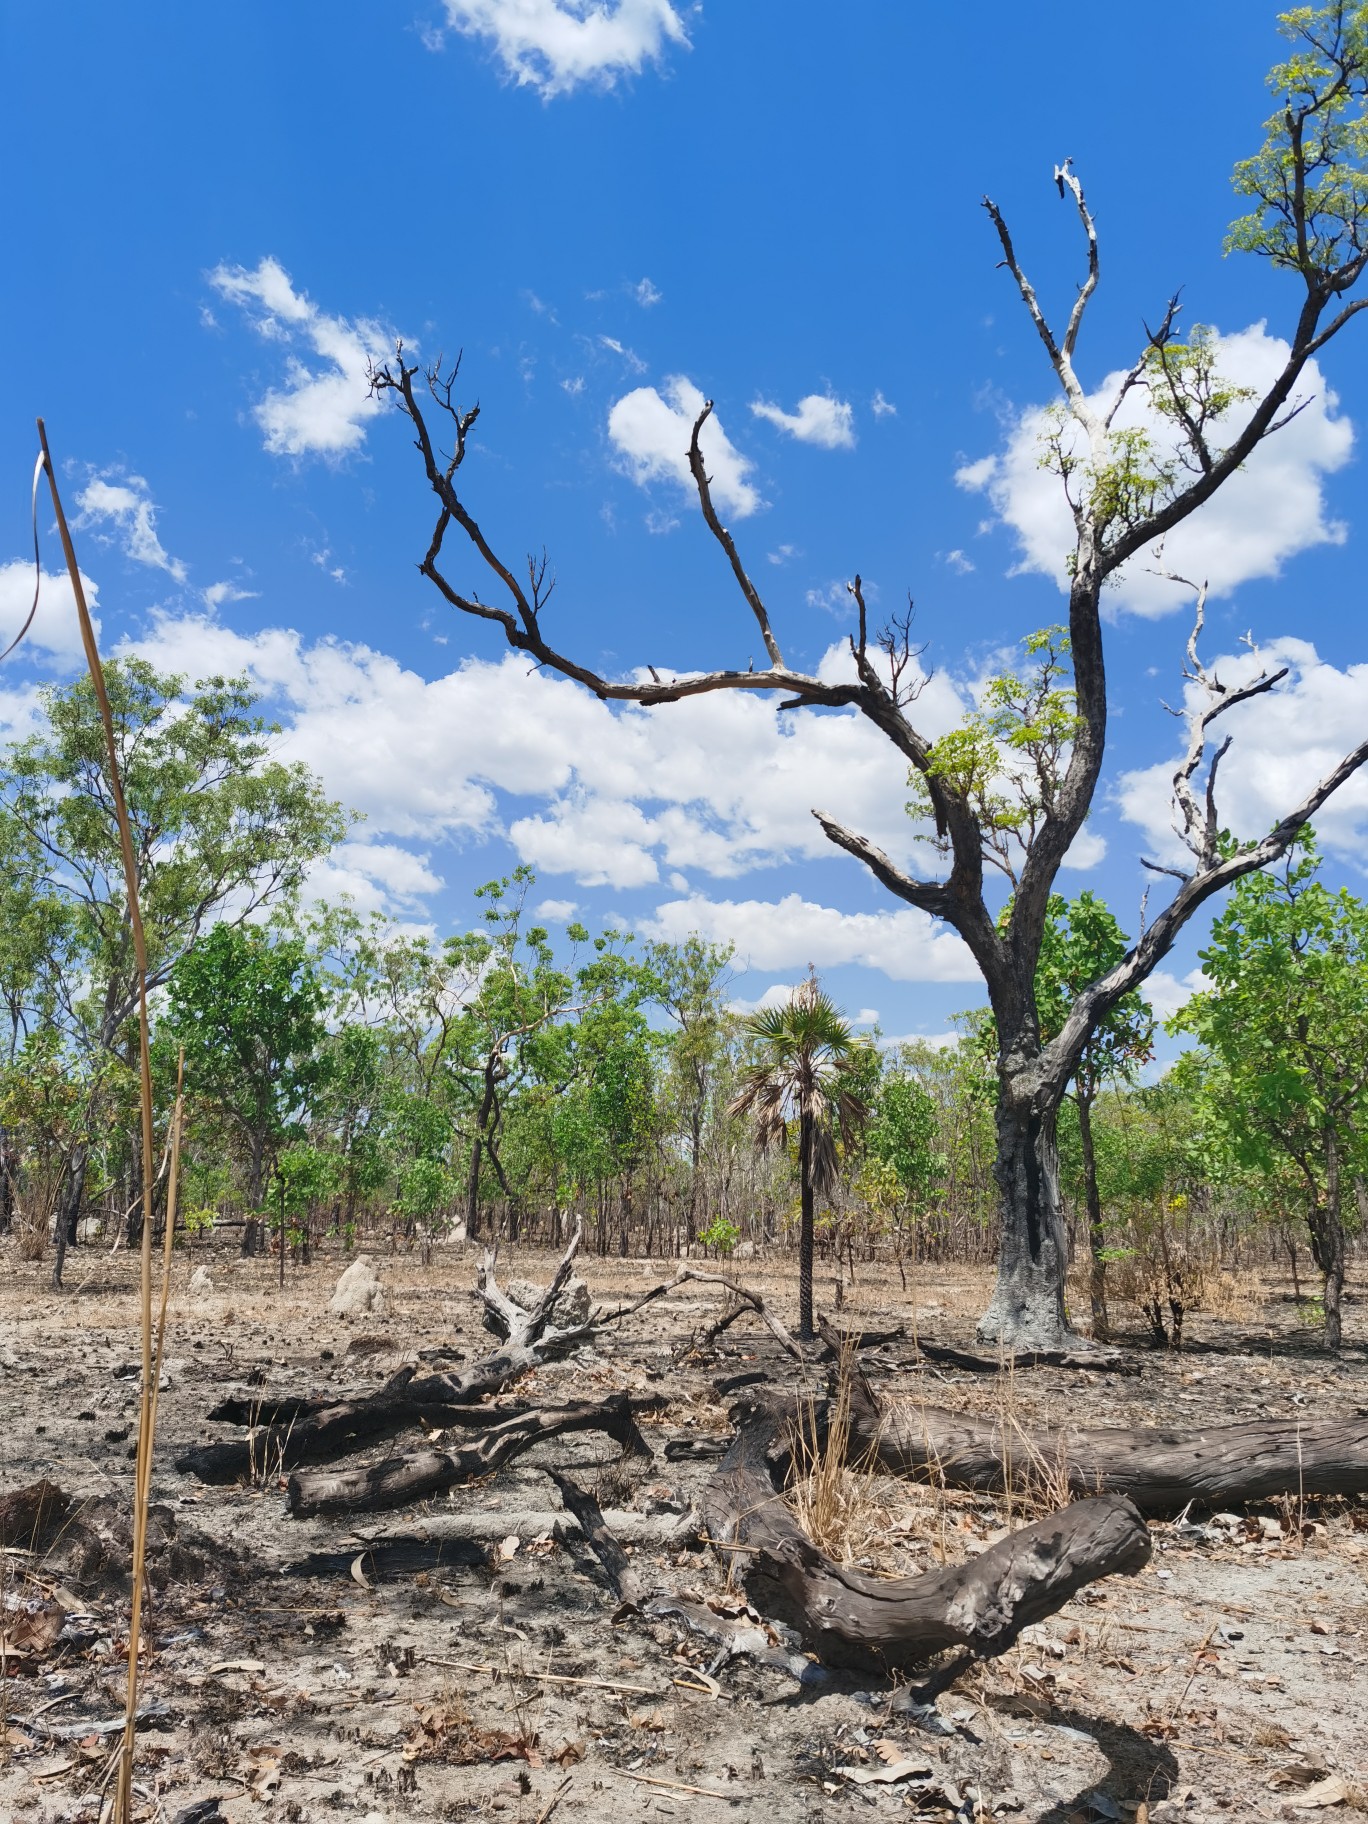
(399, 1480)
(870, 1624)
(1161, 1470)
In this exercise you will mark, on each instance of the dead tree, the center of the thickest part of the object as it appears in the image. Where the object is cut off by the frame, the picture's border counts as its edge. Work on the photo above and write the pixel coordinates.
(1124, 501)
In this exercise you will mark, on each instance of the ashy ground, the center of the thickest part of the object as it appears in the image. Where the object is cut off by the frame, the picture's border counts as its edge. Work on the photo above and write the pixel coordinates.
(475, 1668)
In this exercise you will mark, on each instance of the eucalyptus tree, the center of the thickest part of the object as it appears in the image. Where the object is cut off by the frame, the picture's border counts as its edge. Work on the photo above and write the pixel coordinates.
(1286, 1015)
(1306, 213)
(220, 828)
(1082, 941)
(688, 980)
(803, 1059)
(246, 1006)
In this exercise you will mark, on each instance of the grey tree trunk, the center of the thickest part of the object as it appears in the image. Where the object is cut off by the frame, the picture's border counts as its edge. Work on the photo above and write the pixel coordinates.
(69, 1209)
(1027, 1307)
(1093, 1202)
(1326, 1223)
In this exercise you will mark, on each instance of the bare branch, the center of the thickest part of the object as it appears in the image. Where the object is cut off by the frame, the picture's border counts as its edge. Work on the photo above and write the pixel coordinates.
(724, 538)
(1089, 285)
(931, 896)
(1201, 826)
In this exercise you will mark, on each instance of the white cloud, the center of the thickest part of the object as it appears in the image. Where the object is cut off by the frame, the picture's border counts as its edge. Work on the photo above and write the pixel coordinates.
(646, 294)
(123, 508)
(881, 407)
(789, 933)
(219, 593)
(555, 45)
(1283, 744)
(820, 419)
(320, 411)
(778, 994)
(1167, 994)
(958, 562)
(556, 911)
(1273, 508)
(867, 1016)
(1085, 851)
(652, 432)
(783, 554)
(55, 631)
(717, 785)
(628, 356)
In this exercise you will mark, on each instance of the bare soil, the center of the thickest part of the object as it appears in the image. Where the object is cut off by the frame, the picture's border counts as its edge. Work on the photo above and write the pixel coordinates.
(1226, 1681)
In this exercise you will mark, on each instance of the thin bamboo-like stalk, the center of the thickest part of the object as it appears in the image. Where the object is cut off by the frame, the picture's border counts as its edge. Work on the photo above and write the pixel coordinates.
(123, 1792)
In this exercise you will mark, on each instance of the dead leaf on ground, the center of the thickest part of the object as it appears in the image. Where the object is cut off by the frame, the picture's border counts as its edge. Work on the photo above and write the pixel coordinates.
(889, 1775)
(1331, 1791)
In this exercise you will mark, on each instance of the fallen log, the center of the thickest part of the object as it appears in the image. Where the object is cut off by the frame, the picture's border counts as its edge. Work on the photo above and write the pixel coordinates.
(1161, 1470)
(871, 1624)
(296, 1432)
(399, 1480)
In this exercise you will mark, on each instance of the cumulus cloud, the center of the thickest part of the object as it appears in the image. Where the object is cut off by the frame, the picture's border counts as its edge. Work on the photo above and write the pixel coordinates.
(1282, 745)
(1273, 508)
(321, 409)
(651, 432)
(219, 593)
(554, 46)
(624, 797)
(907, 946)
(120, 507)
(55, 631)
(556, 911)
(820, 419)
(1167, 993)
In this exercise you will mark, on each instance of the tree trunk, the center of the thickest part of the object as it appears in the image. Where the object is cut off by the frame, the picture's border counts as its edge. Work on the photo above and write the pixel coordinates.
(399, 1480)
(1326, 1223)
(883, 1625)
(1161, 1471)
(1097, 1284)
(69, 1208)
(1027, 1308)
(477, 1146)
(806, 1232)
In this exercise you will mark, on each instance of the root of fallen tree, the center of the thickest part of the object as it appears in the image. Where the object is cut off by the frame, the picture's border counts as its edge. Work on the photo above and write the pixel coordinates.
(1162, 1471)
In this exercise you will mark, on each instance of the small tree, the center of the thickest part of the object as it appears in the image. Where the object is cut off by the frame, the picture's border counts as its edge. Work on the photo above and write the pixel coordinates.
(219, 829)
(802, 1055)
(1287, 1017)
(1082, 942)
(1126, 487)
(246, 1005)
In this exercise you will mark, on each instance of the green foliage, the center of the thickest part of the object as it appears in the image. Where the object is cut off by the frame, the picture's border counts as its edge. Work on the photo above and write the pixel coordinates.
(1007, 758)
(1308, 182)
(247, 1007)
(721, 1235)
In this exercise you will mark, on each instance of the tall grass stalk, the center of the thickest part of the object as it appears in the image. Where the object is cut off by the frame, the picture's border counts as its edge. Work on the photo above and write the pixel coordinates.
(123, 1791)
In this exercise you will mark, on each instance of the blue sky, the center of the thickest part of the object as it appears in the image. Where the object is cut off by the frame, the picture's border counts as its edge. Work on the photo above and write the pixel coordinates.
(224, 211)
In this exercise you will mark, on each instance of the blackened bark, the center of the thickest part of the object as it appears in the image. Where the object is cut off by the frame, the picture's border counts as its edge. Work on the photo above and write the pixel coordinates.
(806, 1234)
(1097, 1284)
(1027, 1308)
(69, 1209)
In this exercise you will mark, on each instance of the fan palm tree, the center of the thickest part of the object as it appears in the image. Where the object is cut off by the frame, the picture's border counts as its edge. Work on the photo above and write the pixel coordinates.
(800, 1056)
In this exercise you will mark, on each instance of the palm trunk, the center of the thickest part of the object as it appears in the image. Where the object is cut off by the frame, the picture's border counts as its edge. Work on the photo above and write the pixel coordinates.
(1027, 1308)
(806, 1232)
